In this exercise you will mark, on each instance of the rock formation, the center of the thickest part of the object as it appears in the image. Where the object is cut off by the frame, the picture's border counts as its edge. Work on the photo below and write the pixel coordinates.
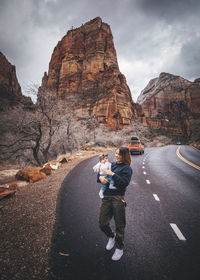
(10, 90)
(84, 72)
(171, 103)
(32, 174)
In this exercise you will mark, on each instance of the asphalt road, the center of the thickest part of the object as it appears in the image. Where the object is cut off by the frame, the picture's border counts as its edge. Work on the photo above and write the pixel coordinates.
(163, 197)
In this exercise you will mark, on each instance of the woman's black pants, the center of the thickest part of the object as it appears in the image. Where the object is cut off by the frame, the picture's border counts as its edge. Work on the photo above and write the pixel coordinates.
(113, 206)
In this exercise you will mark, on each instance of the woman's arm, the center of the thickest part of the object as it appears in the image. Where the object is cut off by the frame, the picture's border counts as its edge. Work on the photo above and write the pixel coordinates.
(103, 180)
(122, 178)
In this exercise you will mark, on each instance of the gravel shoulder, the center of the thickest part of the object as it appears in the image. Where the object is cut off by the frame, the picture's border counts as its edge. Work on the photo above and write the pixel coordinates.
(26, 225)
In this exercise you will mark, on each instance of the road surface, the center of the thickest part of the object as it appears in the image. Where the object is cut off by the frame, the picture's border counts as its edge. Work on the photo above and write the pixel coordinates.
(162, 239)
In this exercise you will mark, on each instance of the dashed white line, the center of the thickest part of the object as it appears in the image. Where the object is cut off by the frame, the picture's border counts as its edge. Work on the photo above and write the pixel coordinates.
(178, 232)
(144, 172)
(156, 197)
(143, 166)
(148, 182)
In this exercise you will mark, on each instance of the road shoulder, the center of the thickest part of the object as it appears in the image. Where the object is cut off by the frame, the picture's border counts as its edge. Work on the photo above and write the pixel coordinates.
(27, 221)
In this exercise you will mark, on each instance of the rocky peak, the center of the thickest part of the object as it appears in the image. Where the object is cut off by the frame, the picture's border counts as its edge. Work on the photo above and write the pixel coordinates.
(10, 90)
(197, 81)
(84, 72)
(171, 103)
(8, 79)
(164, 81)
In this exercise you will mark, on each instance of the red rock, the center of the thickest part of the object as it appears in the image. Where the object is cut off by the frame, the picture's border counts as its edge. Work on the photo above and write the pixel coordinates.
(63, 160)
(71, 158)
(46, 169)
(35, 176)
(10, 90)
(7, 193)
(84, 72)
(31, 174)
(170, 103)
(15, 184)
(10, 188)
(84, 147)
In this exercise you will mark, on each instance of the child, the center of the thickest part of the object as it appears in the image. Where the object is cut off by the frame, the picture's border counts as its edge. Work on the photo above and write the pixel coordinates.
(102, 165)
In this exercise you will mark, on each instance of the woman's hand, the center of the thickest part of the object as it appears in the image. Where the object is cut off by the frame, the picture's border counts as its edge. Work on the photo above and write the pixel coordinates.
(108, 172)
(103, 180)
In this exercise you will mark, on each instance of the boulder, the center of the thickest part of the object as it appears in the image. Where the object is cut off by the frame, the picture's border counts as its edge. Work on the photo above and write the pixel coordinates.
(35, 176)
(30, 174)
(63, 160)
(55, 165)
(15, 184)
(5, 193)
(47, 169)
(84, 147)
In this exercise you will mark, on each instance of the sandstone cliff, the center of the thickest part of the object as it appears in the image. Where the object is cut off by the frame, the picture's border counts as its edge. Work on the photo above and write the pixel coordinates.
(171, 103)
(84, 72)
(10, 90)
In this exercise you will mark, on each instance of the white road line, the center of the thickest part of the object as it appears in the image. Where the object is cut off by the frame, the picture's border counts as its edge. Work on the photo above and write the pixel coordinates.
(178, 232)
(195, 148)
(144, 172)
(156, 197)
(148, 182)
(143, 167)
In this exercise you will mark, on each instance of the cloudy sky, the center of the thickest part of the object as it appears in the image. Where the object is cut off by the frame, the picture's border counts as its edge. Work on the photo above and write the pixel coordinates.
(150, 36)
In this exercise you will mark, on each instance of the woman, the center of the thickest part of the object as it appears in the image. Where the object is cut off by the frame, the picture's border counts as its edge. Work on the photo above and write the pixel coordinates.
(113, 203)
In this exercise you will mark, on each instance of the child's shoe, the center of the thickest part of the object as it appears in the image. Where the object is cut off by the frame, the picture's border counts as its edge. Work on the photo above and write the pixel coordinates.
(111, 187)
(101, 194)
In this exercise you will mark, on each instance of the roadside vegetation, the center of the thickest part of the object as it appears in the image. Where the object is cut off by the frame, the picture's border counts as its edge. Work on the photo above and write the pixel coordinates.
(47, 129)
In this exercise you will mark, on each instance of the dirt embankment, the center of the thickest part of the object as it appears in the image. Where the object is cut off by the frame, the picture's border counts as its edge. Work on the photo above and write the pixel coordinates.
(26, 225)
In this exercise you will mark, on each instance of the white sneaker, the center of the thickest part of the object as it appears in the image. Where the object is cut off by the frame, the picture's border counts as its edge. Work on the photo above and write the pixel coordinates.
(117, 254)
(101, 194)
(111, 243)
(111, 187)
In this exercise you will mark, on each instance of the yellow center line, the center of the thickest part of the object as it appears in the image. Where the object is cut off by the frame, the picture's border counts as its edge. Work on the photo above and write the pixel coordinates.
(185, 160)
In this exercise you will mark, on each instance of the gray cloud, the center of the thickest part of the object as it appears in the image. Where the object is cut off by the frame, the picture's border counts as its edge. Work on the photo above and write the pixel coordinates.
(170, 10)
(187, 63)
(150, 36)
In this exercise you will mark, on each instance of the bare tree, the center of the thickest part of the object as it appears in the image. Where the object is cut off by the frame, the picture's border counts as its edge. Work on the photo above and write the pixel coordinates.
(32, 130)
(91, 123)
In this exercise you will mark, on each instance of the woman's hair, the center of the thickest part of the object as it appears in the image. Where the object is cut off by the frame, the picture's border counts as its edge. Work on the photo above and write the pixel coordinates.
(126, 156)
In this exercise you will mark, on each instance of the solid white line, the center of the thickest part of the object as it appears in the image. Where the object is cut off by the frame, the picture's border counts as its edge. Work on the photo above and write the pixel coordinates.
(148, 182)
(156, 197)
(178, 232)
(144, 172)
(195, 148)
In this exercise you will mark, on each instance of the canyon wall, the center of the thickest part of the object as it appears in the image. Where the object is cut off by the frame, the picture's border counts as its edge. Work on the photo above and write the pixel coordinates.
(171, 103)
(10, 90)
